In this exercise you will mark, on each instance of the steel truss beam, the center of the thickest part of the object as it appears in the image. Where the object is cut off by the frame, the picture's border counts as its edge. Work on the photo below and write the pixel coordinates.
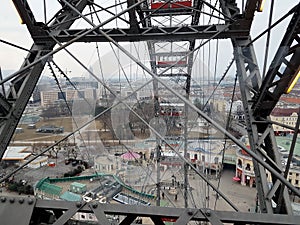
(261, 135)
(276, 84)
(276, 81)
(182, 33)
(185, 64)
(30, 210)
(13, 104)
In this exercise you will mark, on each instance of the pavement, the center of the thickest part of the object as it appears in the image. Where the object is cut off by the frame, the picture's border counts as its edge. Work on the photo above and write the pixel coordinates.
(242, 197)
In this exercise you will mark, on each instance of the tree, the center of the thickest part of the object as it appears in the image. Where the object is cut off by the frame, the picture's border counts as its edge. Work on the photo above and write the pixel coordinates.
(28, 190)
(12, 186)
(74, 153)
(145, 110)
(105, 117)
(50, 112)
(55, 151)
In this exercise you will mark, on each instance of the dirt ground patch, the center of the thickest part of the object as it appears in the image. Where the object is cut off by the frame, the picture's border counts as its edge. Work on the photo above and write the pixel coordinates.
(28, 134)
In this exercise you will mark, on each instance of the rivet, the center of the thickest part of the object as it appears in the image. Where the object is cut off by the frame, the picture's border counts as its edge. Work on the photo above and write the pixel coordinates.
(94, 205)
(21, 200)
(3, 199)
(11, 200)
(30, 201)
(78, 204)
(190, 212)
(208, 212)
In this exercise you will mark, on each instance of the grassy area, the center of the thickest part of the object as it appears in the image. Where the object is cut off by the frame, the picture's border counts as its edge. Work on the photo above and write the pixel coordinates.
(31, 134)
(66, 123)
(92, 132)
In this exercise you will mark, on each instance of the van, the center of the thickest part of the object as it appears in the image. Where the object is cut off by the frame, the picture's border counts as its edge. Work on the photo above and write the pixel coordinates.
(19, 130)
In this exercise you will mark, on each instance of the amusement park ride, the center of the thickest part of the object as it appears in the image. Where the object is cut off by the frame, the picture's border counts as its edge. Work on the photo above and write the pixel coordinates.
(259, 94)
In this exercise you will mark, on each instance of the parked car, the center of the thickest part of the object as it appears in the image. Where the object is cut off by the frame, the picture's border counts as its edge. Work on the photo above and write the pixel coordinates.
(50, 129)
(31, 126)
(19, 130)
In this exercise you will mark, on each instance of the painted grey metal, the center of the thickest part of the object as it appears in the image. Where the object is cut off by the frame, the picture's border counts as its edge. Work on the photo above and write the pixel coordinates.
(151, 211)
(99, 214)
(186, 216)
(277, 81)
(128, 219)
(243, 55)
(69, 213)
(186, 75)
(250, 82)
(150, 33)
(16, 210)
(211, 216)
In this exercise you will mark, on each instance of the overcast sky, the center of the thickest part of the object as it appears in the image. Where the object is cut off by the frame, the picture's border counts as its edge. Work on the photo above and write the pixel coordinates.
(11, 30)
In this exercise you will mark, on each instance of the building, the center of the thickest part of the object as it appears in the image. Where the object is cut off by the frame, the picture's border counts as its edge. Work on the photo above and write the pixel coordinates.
(220, 105)
(49, 97)
(286, 116)
(16, 154)
(206, 155)
(79, 188)
(38, 162)
(81, 83)
(244, 168)
(106, 164)
(294, 176)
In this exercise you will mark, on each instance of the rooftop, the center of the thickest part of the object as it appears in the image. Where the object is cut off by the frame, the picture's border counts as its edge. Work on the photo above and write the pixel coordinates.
(70, 196)
(48, 188)
(284, 111)
(79, 185)
(16, 153)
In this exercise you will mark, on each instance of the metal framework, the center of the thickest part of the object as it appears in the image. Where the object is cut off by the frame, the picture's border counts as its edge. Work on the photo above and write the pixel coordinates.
(32, 210)
(261, 136)
(259, 98)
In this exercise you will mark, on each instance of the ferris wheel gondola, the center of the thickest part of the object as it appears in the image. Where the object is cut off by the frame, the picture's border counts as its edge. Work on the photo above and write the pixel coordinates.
(161, 4)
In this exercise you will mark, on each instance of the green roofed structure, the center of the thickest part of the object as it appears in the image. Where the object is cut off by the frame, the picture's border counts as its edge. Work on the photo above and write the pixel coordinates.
(69, 196)
(43, 188)
(39, 186)
(76, 187)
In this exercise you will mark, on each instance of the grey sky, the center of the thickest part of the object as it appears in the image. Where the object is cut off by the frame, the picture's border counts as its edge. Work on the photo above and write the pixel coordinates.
(11, 30)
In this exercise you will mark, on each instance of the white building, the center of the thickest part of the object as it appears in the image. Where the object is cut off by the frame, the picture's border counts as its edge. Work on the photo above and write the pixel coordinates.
(16, 154)
(38, 162)
(49, 97)
(286, 116)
